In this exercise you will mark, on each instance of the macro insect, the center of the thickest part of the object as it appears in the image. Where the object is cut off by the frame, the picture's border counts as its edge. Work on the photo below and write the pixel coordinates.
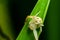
(35, 22)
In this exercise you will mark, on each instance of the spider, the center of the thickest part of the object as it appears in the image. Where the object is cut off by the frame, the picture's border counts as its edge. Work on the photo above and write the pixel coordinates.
(35, 22)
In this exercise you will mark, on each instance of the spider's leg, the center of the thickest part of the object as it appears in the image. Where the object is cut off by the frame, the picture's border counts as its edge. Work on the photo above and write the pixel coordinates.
(35, 34)
(38, 13)
(40, 29)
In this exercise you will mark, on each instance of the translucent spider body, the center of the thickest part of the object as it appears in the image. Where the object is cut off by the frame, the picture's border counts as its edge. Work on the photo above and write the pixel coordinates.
(35, 23)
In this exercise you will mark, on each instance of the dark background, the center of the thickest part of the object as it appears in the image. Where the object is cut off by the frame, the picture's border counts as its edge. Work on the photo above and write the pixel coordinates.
(19, 10)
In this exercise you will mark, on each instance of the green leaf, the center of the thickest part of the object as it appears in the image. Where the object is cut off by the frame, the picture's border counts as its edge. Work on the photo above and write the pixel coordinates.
(26, 33)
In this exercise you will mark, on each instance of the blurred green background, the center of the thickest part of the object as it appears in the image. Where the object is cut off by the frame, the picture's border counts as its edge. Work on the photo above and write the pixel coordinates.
(52, 21)
(14, 12)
